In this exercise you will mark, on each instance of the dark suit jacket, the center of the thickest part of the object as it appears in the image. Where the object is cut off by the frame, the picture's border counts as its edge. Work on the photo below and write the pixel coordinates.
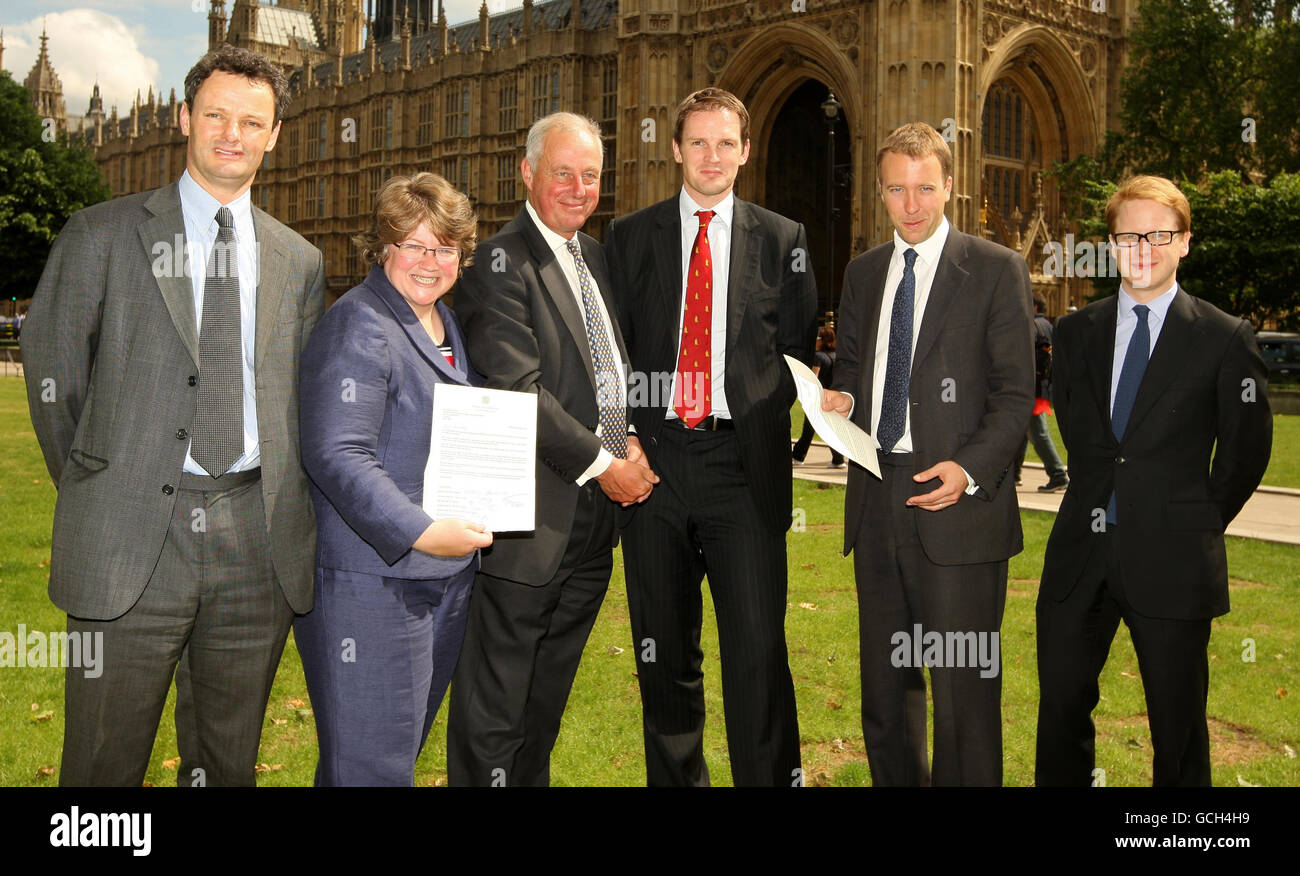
(972, 388)
(367, 392)
(771, 310)
(527, 334)
(111, 354)
(1205, 383)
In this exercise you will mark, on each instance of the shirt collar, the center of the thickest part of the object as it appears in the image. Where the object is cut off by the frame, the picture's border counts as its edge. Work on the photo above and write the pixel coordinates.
(554, 239)
(927, 250)
(1159, 305)
(202, 208)
(722, 211)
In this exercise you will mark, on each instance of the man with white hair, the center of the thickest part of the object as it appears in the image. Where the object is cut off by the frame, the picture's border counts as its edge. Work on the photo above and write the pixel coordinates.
(537, 314)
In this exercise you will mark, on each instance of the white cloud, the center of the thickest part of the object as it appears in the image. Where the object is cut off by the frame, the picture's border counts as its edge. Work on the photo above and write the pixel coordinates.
(85, 46)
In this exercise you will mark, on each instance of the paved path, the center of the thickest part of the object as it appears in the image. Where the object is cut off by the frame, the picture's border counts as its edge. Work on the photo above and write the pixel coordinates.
(1272, 514)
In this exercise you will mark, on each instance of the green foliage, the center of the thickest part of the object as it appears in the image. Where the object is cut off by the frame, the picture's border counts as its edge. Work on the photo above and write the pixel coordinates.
(41, 185)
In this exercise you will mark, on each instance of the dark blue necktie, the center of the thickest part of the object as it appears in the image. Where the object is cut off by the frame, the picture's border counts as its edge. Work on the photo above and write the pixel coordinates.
(1130, 378)
(898, 367)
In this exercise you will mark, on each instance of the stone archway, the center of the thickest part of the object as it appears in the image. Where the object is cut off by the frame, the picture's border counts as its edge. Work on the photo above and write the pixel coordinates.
(783, 74)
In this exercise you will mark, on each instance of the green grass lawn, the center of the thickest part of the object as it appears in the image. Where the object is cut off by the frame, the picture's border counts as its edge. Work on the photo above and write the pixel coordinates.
(1254, 719)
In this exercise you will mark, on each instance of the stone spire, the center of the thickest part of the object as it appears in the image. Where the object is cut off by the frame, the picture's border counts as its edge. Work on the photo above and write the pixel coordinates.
(43, 85)
(483, 27)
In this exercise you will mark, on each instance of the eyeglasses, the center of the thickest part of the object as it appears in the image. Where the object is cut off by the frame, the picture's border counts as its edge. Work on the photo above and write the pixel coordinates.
(415, 252)
(1154, 238)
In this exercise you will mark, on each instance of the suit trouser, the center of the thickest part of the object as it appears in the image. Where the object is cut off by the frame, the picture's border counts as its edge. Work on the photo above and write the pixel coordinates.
(212, 612)
(701, 519)
(1074, 639)
(899, 588)
(521, 653)
(378, 654)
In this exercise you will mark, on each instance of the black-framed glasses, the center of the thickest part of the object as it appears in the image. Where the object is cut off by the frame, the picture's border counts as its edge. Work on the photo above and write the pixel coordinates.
(1154, 238)
(415, 252)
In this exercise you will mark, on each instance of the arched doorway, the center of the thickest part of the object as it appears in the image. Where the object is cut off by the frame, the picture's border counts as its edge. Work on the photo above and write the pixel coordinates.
(805, 183)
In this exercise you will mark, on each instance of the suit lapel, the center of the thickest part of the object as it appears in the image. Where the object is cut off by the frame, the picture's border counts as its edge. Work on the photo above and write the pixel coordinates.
(668, 256)
(875, 296)
(949, 277)
(1099, 355)
(378, 283)
(168, 226)
(557, 287)
(1178, 338)
(272, 277)
(743, 272)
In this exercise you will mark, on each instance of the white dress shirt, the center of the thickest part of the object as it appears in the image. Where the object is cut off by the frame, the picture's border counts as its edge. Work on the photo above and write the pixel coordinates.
(200, 212)
(560, 245)
(1126, 323)
(719, 233)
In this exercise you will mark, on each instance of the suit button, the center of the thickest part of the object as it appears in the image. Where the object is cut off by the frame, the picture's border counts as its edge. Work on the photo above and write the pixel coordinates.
(193, 381)
(168, 489)
(1120, 460)
(182, 434)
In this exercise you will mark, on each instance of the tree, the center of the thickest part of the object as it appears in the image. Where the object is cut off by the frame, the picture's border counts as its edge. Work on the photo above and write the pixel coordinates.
(41, 184)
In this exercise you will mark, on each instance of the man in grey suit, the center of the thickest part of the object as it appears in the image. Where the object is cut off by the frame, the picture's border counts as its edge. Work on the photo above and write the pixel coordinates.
(161, 358)
(935, 361)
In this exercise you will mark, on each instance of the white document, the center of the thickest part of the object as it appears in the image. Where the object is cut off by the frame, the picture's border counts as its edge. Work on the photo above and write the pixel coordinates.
(482, 457)
(834, 428)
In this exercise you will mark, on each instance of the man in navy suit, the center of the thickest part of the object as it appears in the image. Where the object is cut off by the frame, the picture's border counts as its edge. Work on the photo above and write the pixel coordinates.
(1147, 385)
(537, 311)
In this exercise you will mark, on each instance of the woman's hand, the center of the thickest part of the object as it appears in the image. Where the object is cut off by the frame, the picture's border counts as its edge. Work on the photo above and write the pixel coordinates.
(452, 537)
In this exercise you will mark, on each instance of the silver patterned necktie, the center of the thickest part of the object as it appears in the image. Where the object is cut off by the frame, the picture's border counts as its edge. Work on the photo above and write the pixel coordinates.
(609, 385)
(219, 418)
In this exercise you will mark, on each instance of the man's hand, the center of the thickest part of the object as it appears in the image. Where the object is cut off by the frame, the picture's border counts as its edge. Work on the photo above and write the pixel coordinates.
(452, 537)
(954, 483)
(839, 402)
(629, 480)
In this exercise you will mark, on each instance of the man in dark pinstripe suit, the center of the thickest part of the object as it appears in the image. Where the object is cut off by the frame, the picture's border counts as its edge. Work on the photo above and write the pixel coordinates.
(713, 291)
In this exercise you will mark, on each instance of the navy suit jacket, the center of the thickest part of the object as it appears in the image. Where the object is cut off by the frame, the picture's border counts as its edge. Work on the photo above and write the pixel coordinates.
(367, 379)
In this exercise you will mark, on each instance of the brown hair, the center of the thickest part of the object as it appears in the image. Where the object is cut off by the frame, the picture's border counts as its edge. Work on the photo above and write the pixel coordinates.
(916, 140)
(1150, 188)
(240, 62)
(707, 100)
(826, 335)
(404, 203)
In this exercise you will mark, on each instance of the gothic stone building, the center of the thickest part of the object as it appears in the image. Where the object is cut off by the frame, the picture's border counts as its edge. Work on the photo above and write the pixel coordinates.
(1015, 85)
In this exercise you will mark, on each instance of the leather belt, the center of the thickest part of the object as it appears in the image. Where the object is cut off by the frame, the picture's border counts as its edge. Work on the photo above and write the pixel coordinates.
(708, 424)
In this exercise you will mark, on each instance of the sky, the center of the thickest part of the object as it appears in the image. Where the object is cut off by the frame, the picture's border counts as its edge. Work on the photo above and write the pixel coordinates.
(127, 45)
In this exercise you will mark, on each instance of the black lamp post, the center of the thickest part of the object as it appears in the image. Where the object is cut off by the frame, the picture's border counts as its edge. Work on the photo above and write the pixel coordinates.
(831, 107)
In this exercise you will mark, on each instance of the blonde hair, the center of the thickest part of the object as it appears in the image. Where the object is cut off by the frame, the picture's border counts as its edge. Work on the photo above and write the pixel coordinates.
(916, 140)
(404, 203)
(1150, 188)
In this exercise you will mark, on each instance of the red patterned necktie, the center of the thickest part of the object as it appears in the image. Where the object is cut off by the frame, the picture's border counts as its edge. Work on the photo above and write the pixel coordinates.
(692, 400)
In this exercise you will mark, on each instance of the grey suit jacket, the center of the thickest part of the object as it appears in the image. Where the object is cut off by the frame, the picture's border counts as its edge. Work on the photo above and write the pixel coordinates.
(972, 389)
(525, 332)
(111, 358)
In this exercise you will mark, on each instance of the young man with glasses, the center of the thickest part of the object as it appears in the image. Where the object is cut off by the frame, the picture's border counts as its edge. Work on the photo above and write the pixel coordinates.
(1146, 385)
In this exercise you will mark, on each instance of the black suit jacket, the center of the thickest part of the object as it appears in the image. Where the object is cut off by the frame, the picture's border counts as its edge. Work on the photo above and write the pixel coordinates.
(525, 332)
(1205, 383)
(972, 388)
(771, 311)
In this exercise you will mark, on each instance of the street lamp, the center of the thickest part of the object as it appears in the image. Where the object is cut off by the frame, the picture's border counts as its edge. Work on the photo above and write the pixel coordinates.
(831, 107)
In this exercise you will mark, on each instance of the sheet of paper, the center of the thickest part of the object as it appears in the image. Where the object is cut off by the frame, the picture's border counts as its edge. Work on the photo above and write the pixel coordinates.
(835, 429)
(482, 454)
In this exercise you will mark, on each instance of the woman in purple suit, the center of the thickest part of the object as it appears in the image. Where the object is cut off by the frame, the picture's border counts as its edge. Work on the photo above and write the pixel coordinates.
(392, 584)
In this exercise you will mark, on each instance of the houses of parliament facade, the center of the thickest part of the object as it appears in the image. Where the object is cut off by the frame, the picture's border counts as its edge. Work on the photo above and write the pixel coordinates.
(382, 87)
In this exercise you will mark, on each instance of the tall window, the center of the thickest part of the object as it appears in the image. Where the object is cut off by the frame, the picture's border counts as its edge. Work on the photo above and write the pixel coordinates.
(1011, 150)
(507, 105)
(376, 180)
(609, 97)
(162, 167)
(424, 131)
(293, 203)
(388, 125)
(293, 144)
(507, 168)
(320, 198)
(464, 110)
(539, 93)
(377, 126)
(354, 194)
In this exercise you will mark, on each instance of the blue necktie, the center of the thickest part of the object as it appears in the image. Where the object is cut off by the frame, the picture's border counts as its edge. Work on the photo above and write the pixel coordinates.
(1130, 378)
(898, 367)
